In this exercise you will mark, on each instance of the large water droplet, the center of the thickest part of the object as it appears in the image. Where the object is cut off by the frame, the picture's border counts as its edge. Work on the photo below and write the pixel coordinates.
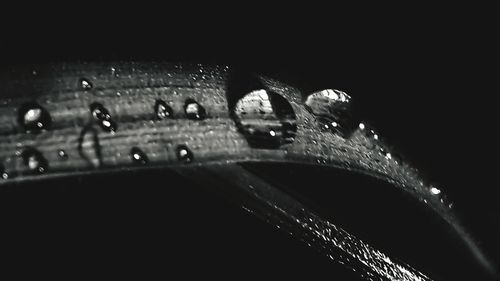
(34, 160)
(33, 118)
(332, 110)
(194, 110)
(85, 84)
(266, 119)
(138, 156)
(163, 110)
(184, 154)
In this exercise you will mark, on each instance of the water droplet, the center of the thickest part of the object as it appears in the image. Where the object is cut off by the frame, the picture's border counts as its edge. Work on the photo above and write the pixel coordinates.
(33, 118)
(62, 154)
(163, 110)
(108, 125)
(34, 160)
(184, 154)
(194, 110)
(3, 173)
(103, 118)
(99, 111)
(85, 84)
(266, 119)
(138, 156)
(332, 110)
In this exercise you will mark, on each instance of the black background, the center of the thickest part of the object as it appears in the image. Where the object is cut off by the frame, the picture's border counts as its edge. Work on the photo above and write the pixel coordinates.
(427, 82)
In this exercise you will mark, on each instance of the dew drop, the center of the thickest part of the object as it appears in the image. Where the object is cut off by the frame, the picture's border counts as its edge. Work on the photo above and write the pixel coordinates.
(163, 110)
(33, 118)
(184, 154)
(103, 118)
(194, 110)
(266, 119)
(3, 173)
(99, 111)
(138, 156)
(34, 160)
(108, 125)
(85, 84)
(62, 154)
(332, 109)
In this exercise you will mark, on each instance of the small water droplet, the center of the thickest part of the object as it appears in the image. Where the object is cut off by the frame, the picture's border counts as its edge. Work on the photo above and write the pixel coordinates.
(62, 154)
(103, 118)
(266, 119)
(138, 156)
(33, 118)
(184, 154)
(85, 84)
(34, 160)
(332, 110)
(99, 111)
(194, 110)
(108, 125)
(163, 110)
(3, 173)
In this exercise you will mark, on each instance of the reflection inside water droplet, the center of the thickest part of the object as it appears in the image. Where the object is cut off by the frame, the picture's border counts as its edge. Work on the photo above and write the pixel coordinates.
(194, 110)
(33, 118)
(266, 119)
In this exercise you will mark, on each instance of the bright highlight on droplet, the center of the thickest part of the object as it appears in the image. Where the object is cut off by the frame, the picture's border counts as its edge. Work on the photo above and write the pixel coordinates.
(435, 190)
